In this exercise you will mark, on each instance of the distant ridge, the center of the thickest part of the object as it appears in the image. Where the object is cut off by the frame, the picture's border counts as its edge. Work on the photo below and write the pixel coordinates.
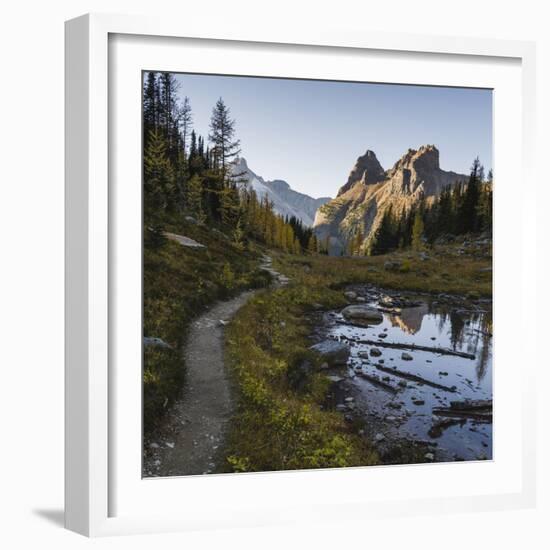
(286, 201)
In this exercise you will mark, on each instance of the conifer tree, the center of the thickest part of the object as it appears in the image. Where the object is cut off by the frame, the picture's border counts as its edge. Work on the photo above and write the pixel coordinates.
(312, 244)
(150, 107)
(194, 198)
(225, 147)
(186, 123)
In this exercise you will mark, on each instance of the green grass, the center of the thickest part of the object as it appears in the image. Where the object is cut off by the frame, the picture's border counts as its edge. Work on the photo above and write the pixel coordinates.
(179, 282)
(444, 271)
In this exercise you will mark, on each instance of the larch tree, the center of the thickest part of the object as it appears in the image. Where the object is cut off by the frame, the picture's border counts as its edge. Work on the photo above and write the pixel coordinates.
(417, 230)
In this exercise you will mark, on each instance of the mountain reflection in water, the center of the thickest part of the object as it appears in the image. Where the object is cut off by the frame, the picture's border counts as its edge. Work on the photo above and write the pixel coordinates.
(438, 379)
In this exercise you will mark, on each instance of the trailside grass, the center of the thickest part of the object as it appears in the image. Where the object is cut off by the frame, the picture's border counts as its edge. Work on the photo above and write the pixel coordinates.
(178, 283)
(280, 423)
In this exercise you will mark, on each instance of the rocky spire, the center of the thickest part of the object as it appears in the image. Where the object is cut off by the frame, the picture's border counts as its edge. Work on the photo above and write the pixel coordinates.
(367, 170)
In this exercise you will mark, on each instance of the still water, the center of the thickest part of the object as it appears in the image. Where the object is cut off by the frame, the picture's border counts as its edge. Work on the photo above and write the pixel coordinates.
(407, 412)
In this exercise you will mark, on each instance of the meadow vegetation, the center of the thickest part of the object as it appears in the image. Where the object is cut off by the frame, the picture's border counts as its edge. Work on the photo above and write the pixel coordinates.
(282, 421)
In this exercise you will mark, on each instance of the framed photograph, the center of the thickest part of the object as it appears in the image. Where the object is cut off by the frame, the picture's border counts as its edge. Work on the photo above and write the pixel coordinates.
(290, 270)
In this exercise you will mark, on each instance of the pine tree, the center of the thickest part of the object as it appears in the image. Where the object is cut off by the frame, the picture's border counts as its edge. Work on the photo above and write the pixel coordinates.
(186, 122)
(168, 110)
(468, 220)
(384, 236)
(150, 107)
(222, 136)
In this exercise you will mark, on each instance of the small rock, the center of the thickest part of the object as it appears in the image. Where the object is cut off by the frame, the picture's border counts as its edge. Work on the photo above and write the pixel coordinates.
(406, 356)
(429, 456)
(379, 437)
(335, 379)
(375, 352)
(418, 402)
(154, 446)
(382, 335)
(350, 295)
(170, 445)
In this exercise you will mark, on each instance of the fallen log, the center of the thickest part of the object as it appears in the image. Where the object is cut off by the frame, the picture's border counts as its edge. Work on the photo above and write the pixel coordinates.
(415, 378)
(413, 347)
(377, 382)
(471, 404)
(481, 416)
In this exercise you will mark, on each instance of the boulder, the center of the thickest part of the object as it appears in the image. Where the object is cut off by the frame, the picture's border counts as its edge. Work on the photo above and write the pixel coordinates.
(362, 313)
(184, 241)
(333, 352)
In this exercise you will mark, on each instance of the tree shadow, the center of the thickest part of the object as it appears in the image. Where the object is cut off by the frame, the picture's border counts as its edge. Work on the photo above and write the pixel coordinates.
(54, 516)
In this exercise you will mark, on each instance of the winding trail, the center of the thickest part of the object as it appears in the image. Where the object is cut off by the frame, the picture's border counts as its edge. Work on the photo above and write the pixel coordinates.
(194, 430)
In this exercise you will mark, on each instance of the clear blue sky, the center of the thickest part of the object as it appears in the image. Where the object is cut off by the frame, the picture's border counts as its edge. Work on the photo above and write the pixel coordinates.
(309, 133)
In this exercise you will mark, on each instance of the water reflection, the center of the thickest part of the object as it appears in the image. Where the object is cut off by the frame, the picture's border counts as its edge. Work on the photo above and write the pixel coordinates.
(468, 331)
(452, 324)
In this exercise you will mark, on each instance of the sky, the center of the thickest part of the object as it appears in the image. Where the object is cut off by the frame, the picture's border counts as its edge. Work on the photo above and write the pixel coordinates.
(310, 132)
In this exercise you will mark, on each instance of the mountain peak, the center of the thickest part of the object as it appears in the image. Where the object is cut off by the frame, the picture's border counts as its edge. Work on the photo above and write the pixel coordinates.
(367, 170)
(241, 163)
(285, 201)
(415, 175)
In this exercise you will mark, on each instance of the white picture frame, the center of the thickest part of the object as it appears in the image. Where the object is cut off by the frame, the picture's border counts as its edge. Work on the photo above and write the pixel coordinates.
(99, 500)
